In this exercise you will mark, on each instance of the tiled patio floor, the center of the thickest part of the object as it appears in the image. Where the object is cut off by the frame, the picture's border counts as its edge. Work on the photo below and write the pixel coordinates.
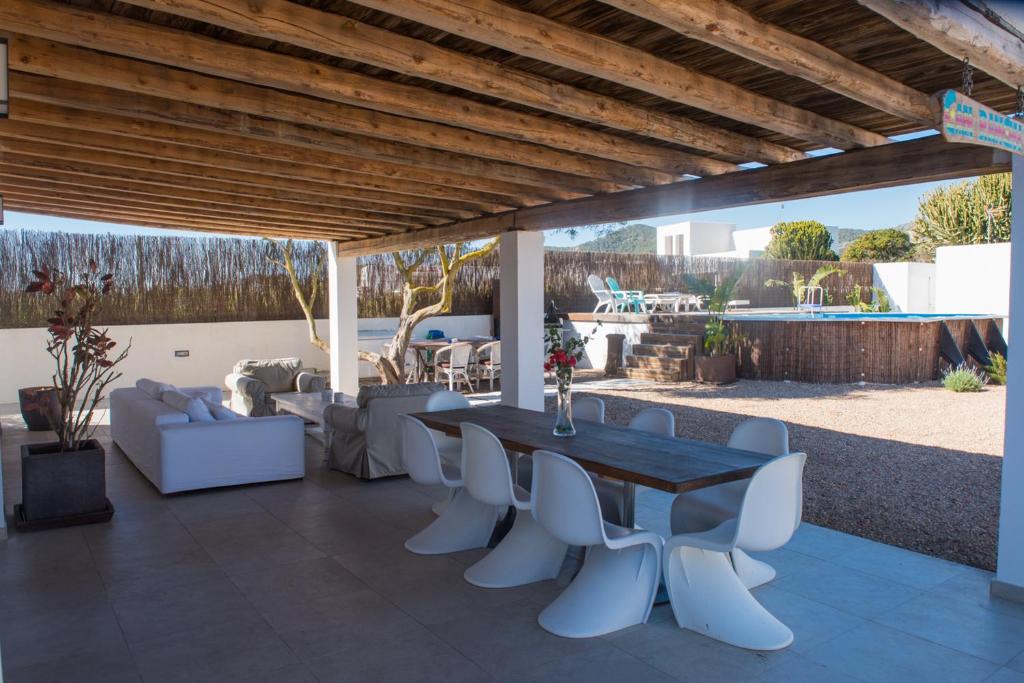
(308, 580)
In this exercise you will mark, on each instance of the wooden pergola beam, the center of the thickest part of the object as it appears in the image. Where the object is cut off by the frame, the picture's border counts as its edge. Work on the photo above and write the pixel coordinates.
(722, 24)
(271, 168)
(902, 163)
(170, 193)
(475, 174)
(959, 31)
(47, 209)
(170, 47)
(18, 183)
(87, 174)
(531, 35)
(172, 109)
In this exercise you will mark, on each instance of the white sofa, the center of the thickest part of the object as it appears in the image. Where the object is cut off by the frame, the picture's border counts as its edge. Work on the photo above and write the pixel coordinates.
(178, 455)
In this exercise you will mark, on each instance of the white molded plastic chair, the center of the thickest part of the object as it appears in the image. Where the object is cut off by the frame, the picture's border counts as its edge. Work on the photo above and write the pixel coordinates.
(588, 408)
(456, 367)
(605, 299)
(448, 447)
(706, 593)
(528, 553)
(708, 507)
(615, 588)
(610, 491)
(488, 362)
(465, 523)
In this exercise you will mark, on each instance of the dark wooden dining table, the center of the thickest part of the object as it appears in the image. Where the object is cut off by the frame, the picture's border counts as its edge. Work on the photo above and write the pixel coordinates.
(634, 457)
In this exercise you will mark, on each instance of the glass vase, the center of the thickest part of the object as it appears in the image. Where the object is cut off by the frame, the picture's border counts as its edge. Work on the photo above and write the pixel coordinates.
(563, 420)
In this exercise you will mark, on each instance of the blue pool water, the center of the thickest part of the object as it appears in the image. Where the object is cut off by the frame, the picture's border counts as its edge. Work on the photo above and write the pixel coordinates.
(827, 315)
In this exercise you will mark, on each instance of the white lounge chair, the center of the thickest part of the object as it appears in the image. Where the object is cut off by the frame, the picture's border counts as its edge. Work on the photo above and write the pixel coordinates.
(605, 300)
(706, 593)
(615, 588)
(588, 408)
(528, 553)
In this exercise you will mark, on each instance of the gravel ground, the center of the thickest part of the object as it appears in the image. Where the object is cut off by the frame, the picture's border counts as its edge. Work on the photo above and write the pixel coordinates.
(913, 466)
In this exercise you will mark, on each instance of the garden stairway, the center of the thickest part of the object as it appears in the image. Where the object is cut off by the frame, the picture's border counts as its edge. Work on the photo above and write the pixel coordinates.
(666, 353)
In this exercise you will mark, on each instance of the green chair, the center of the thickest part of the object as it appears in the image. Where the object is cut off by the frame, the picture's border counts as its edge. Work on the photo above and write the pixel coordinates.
(631, 298)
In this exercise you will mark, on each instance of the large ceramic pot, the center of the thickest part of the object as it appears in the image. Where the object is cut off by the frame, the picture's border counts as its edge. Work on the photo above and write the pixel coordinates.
(33, 400)
(716, 369)
(62, 488)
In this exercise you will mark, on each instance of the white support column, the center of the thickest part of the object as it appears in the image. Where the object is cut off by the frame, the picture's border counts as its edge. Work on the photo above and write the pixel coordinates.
(1009, 581)
(344, 321)
(522, 319)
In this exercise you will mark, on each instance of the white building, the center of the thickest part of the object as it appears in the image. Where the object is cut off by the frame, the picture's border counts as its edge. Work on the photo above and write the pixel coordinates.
(706, 238)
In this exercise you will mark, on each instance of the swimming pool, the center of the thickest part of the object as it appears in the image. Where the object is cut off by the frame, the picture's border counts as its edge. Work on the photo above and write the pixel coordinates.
(831, 315)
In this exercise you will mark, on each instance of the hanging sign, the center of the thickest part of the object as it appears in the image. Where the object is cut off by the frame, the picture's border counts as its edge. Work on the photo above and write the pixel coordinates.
(970, 121)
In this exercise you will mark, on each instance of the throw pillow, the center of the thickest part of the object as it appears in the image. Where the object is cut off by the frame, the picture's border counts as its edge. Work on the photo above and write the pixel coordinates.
(193, 407)
(220, 411)
(149, 387)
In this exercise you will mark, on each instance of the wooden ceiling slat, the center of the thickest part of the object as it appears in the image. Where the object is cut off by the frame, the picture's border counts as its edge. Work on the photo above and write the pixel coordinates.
(86, 173)
(181, 49)
(557, 186)
(890, 165)
(960, 32)
(723, 24)
(271, 168)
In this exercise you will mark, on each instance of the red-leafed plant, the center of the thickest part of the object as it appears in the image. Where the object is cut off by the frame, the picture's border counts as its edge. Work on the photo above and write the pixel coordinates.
(84, 355)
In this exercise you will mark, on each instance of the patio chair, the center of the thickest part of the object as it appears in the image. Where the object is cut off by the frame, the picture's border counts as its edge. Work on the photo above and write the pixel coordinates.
(453, 362)
(605, 299)
(465, 523)
(627, 298)
(488, 362)
(253, 383)
(706, 593)
(588, 408)
(528, 553)
(708, 507)
(611, 492)
(616, 586)
(448, 447)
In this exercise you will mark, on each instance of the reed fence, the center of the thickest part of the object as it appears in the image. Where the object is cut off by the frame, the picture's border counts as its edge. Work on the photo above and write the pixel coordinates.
(199, 279)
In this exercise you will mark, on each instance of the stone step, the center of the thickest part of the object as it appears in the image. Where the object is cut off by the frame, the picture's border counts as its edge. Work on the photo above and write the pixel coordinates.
(648, 374)
(656, 363)
(663, 350)
(673, 339)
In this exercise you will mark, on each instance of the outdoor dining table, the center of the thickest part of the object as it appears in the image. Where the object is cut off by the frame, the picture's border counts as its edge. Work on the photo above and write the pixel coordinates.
(425, 347)
(634, 457)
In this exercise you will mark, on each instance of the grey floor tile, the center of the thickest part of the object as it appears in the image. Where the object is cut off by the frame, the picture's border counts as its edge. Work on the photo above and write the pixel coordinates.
(903, 566)
(800, 670)
(1006, 676)
(826, 544)
(42, 636)
(605, 666)
(417, 657)
(201, 506)
(962, 626)
(810, 621)
(237, 649)
(877, 653)
(1017, 663)
(973, 585)
(125, 577)
(846, 589)
(98, 665)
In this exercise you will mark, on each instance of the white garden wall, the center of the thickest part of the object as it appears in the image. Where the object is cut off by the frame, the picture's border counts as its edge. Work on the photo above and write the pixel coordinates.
(909, 286)
(213, 348)
(973, 279)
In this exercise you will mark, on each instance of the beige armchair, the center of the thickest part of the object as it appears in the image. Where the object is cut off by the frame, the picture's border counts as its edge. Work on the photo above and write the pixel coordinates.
(253, 381)
(366, 439)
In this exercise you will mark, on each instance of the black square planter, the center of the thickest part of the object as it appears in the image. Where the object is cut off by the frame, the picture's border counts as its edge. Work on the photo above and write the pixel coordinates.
(62, 488)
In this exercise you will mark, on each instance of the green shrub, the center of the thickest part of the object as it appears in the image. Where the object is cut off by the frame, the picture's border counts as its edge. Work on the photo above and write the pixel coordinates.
(879, 300)
(997, 370)
(801, 241)
(884, 246)
(963, 378)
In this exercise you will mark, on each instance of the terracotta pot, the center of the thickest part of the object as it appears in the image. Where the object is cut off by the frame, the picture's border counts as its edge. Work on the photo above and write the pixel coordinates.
(62, 488)
(716, 369)
(32, 400)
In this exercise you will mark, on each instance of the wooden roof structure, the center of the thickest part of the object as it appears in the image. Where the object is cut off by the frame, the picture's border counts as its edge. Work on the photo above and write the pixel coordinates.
(387, 124)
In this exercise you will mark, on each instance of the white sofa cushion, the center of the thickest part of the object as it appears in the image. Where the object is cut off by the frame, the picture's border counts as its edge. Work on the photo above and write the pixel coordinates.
(152, 388)
(190, 405)
(220, 411)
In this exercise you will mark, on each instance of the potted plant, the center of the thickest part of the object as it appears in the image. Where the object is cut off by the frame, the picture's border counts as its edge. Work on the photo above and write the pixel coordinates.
(718, 363)
(64, 482)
